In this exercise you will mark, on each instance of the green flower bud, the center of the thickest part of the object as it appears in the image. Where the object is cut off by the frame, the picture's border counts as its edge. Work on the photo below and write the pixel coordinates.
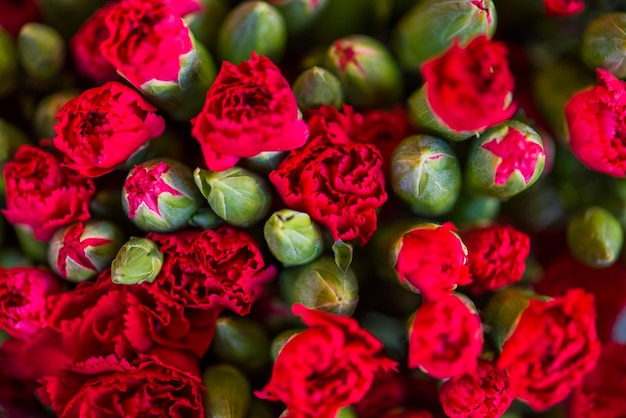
(139, 260)
(426, 175)
(46, 110)
(316, 87)
(472, 209)
(159, 195)
(423, 117)
(293, 238)
(242, 342)
(299, 15)
(252, 26)
(41, 51)
(8, 63)
(368, 73)
(280, 340)
(11, 138)
(205, 218)
(429, 28)
(67, 16)
(204, 23)
(81, 250)
(505, 160)
(266, 161)
(239, 196)
(604, 43)
(321, 285)
(595, 237)
(228, 392)
(31, 247)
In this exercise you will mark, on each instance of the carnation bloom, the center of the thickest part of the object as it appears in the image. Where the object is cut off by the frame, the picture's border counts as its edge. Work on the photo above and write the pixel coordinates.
(551, 348)
(250, 108)
(497, 256)
(470, 88)
(445, 338)
(563, 7)
(330, 365)
(596, 118)
(102, 127)
(23, 299)
(486, 393)
(433, 260)
(43, 196)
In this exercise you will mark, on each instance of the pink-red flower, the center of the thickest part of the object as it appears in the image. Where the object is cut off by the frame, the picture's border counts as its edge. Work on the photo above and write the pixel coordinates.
(212, 269)
(338, 182)
(470, 88)
(445, 338)
(328, 366)
(563, 7)
(43, 196)
(102, 127)
(250, 108)
(551, 348)
(486, 393)
(596, 118)
(433, 260)
(23, 299)
(146, 40)
(497, 256)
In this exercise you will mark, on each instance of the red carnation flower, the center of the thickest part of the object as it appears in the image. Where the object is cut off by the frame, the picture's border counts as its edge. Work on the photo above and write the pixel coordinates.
(338, 182)
(470, 88)
(388, 391)
(497, 256)
(596, 118)
(16, 14)
(221, 268)
(445, 338)
(102, 127)
(250, 108)
(563, 7)
(602, 393)
(326, 367)
(486, 393)
(146, 41)
(23, 295)
(433, 260)
(42, 195)
(552, 347)
(85, 48)
(107, 386)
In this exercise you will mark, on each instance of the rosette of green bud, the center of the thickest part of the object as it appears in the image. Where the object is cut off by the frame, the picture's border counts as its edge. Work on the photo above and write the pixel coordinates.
(228, 392)
(429, 28)
(280, 340)
(139, 260)
(474, 209)
(252, 26)
(299, 15)
(242, 342)
(505, 160)
(81, 250)
(426, 174)
(159, 195)
(205, 22)
(8, 63)
(11, 137)
(41, 51)
(368, 73)
(321, 285)
(44, 116)
(67, 16)
(316, 87)
(239, 196)
(293, 238)
(265, 161)
(604, 43)
(595, 237)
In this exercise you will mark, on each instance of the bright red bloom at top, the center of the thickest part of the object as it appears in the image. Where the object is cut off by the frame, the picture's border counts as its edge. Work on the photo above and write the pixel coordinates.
(596, 118)
(330, 365)
(433, 259)
(470, 88)
(146, 40)
(102, 127)
(564, 7)
(250, 108)
(552, 347)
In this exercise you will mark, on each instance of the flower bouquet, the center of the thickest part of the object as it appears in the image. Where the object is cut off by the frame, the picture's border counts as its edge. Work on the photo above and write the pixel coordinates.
(313, 208)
